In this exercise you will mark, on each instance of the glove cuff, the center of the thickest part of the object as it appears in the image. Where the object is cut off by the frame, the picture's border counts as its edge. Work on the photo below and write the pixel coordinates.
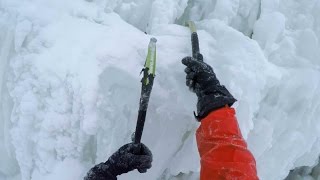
(111, 169)
(212, 102)
(101, 171)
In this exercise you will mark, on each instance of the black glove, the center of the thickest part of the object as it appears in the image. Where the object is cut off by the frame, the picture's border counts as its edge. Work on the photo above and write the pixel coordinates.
(202, 80)
(129, 157)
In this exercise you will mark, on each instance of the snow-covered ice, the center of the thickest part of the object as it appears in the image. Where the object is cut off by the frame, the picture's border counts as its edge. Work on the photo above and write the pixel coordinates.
(70, 85)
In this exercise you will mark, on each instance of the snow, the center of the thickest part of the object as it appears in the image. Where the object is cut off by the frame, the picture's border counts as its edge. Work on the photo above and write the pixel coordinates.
(267, 36)
(70, 85)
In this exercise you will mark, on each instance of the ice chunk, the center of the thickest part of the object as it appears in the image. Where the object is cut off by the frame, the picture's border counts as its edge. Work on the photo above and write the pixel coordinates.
(268, 29)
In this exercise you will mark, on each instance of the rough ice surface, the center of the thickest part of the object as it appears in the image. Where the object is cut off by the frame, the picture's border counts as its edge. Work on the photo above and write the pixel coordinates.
(69, 82)
(305, 173)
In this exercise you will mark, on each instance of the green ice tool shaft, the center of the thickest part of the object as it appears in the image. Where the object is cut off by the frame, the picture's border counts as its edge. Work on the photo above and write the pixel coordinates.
(146, 87)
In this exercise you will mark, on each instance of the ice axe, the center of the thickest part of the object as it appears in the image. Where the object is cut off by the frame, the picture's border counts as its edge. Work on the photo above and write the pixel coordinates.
(194, 41)
(147, 82)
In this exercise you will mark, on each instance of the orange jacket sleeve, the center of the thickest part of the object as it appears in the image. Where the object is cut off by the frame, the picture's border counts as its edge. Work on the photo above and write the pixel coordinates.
(223, 151)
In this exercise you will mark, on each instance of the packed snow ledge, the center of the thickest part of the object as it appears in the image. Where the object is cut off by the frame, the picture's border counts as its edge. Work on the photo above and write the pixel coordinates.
(69, 82)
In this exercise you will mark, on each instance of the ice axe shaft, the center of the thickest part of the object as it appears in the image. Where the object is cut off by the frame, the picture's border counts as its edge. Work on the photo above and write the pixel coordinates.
(147, 83)
(194, 41)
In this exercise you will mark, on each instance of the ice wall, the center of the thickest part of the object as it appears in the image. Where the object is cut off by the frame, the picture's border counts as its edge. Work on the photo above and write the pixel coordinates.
(288, 33)
(70, 82)
(8, 164)
(304, 173)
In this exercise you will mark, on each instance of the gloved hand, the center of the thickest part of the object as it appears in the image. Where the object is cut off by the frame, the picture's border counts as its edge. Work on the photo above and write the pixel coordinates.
(126, 159)
(202, 80)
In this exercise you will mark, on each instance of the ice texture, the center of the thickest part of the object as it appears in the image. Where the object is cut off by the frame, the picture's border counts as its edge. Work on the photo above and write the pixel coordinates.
(70, 84)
